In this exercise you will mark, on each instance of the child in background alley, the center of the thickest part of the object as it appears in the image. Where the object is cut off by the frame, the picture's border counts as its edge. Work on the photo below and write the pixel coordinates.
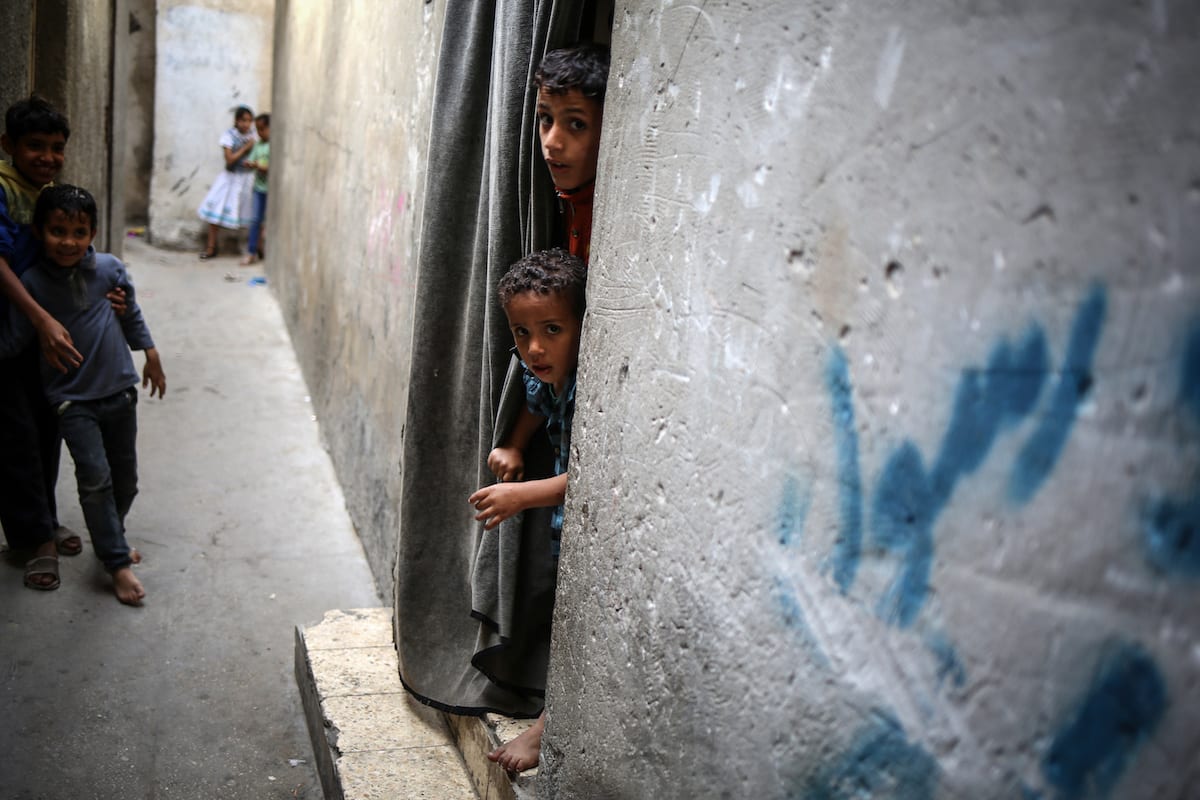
(259, 161)
(96, 402)
(35, 138)
(227, 204)
(571, 84)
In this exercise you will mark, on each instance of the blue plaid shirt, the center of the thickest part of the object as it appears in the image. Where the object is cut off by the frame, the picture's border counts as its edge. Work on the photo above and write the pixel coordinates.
(559, 412)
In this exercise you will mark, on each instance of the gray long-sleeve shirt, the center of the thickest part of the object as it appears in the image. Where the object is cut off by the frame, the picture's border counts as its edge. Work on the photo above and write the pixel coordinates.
(75, 297)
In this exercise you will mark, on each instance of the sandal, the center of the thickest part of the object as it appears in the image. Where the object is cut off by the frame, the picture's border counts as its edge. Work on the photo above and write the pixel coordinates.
(207, 254)
(42, 565)
(67, 541)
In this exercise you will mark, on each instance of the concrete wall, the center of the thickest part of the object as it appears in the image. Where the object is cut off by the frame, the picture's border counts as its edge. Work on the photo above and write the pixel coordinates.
(886, 451)
(138, 112)
(348, 141)
(210, 57)
(46, 42)
(887, 445)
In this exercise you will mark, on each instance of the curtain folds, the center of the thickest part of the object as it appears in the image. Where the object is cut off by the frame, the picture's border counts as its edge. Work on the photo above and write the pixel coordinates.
(468, 644)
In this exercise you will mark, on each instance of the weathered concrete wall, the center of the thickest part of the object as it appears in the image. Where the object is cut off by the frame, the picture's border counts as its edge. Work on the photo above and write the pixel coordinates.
(348, 140)
(210, 57)
(16, 41)
(139, 110)
(887, 450)
(45, 42)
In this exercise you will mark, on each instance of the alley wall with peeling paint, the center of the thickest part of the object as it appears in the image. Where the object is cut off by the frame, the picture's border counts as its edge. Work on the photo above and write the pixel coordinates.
(349, 136)
(887, 444)
(888, 429)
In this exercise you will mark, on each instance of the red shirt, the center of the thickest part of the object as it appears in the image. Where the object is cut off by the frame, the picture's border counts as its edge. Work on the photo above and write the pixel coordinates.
(577, 211)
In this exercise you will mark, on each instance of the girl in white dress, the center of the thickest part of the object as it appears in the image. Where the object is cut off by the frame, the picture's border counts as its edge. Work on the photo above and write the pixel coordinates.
(228, 203)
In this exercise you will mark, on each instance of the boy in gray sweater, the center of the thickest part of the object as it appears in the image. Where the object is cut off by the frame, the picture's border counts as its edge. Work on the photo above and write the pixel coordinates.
(96, 402)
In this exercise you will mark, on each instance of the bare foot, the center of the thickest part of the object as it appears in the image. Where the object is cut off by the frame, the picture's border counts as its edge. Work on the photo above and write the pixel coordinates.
(247, 261)
(128, 588)
(522, 752)
(135, 556)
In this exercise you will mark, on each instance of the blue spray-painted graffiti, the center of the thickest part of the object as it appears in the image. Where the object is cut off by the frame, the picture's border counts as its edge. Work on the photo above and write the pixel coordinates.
(847, 551)
(1171, 531)
(1041, 452)
(1127, 698)
(1189, 382)
(879, 763)
(1118, 712)
(793, 510)
(948, 663)
(909, 497)
(1171, 527)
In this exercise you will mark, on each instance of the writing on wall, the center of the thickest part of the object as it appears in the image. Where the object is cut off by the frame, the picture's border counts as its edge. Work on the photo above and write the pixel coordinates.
(1092, 738)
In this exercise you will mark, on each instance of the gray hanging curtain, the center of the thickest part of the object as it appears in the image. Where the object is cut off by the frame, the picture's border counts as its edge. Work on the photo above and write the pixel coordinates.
(488, 201)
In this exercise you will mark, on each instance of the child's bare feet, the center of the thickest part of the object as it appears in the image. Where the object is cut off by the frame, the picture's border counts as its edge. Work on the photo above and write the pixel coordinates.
(522, 752)
(128, 588)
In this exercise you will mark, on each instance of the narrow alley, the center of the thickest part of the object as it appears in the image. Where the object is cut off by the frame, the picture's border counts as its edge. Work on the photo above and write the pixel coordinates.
(244, 535)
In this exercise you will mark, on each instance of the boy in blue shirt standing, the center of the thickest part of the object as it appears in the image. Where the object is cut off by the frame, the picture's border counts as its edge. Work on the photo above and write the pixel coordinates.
(95, 402)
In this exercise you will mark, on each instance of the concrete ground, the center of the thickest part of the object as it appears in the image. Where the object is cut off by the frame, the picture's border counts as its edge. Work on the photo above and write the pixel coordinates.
(245, 535)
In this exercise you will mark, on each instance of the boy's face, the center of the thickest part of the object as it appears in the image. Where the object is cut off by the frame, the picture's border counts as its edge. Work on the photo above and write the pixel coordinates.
(546, 330)
(243, 123)
(264, 131)
(37, 156)
(569, 129)
(66, 237)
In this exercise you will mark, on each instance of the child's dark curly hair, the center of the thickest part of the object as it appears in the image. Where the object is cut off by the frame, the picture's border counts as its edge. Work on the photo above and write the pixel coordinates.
(583, 67)
(71, 200)
(547, 272)
(34, 114)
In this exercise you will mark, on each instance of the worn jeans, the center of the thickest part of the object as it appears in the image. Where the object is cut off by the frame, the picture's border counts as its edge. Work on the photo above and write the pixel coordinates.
(260, 218)
(29, 452)
(102, 437)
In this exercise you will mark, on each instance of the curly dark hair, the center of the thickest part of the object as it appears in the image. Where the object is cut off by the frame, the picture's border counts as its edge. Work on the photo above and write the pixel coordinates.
(547, 272)
(34, 114)
(71, 200)
(583, 67)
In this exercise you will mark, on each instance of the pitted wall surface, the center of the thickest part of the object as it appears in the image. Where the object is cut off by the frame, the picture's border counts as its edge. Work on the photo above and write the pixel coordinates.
(888, 435)
(349, 136)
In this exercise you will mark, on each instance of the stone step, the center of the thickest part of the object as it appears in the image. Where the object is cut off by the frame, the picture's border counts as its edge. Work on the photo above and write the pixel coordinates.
(372, 740)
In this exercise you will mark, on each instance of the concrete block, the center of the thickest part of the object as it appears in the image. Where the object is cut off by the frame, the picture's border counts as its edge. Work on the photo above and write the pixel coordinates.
(370, 738)
(433, 773)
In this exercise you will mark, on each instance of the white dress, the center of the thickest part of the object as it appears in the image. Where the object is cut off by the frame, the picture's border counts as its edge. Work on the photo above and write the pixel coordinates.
(228, 202)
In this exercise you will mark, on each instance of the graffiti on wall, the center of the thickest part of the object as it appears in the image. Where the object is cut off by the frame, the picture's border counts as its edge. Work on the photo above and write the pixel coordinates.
(1171, 525)
(1097, 735)
(989, 401)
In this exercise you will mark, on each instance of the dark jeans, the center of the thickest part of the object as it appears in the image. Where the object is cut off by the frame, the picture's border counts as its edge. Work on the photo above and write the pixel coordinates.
(260, 216)
(102, 437)
(29, 453)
